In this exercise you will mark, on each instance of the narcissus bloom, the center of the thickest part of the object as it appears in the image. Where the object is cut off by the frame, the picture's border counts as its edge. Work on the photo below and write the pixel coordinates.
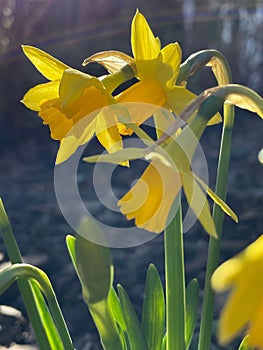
(244, 307)
(156, 69)
(150, 200)
(67, 98)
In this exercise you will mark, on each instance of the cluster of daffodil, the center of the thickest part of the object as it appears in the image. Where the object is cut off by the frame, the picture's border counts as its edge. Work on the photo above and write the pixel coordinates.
(77, 106)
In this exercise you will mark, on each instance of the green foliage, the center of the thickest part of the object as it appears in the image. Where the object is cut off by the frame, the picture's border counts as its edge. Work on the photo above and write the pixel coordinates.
(192, 298)
(134, 330)
(153, 311)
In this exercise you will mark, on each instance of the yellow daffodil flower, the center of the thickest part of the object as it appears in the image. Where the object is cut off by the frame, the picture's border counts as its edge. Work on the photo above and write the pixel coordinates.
(67, 98)
(150, 200)
(156, 69)
(244, 307)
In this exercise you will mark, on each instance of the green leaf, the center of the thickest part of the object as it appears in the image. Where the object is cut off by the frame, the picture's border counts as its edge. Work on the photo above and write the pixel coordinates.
(37, 310)
(116, 309)
(244, 344)
(46, 318)
(164, 341)
(134, 330)
(192, 295)
(25, 271)
(93, 261)
(153, 312)
(70, 242)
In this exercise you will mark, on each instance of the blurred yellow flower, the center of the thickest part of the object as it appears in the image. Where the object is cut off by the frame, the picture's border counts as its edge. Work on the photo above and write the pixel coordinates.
(244, 307)
(67, 98)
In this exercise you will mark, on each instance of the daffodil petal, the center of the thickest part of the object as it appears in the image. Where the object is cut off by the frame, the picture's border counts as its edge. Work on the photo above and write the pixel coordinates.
(240, 96)
(151, 198)
(244, 306)
(118, 156)
(244, 102)
(39, 93)
(255, 329)
(217, 199)
(73, 83)
(52, 116)
(162, 120)
(144, 44)
(198, 202)
(149, 95)
(112, 60)
(226, 274)
(71, 143)
(239, 309)
(178, 98)
(171, 55)
(107, 133)
(48, 66)
(216, 119)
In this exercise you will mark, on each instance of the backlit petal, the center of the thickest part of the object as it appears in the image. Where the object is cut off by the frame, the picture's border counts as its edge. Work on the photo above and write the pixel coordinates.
(92, 99)
(150, 199)
(52, 116)
(217, 199)
(39, 93)
(149, 95)
(255, 329)
(178, 98)
(71, 143)
(144, 44)
(240, 307)
(198, 202)
(73, 83)
(49, 66)
(107, 132)
(130, 153)
(171, 55)
(112, 60)
(226, 274)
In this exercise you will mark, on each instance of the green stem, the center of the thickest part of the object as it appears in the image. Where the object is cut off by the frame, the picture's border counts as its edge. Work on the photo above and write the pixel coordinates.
(25, 287)
(26, 271)
(215, 244)
(175, 283)
(105, 324)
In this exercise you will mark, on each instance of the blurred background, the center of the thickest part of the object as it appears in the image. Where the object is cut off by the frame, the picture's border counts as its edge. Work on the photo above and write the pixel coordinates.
(71, 30)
